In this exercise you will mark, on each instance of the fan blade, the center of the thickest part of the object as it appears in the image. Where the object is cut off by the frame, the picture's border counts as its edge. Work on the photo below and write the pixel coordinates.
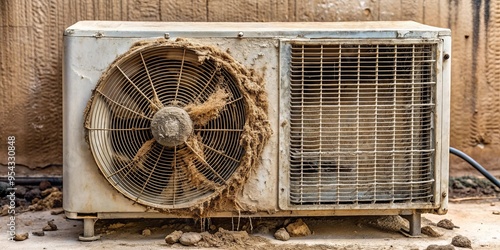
(125, 108)
(120, 159)
(155, 104)
(169, 191)
(195, 147)
(203, 113)
(141, 154)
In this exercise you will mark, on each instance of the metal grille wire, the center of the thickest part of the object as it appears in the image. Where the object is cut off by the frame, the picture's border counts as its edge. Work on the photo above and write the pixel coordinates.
(119, 119)
(361, 123)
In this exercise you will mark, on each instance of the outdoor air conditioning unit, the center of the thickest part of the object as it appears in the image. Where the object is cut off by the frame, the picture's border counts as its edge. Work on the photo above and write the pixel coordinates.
(261, 119)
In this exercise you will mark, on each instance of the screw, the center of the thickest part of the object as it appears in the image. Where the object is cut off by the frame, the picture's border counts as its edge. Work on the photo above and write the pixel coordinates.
(240, 34)
(446, 56)
(167, 35)
(444, 194)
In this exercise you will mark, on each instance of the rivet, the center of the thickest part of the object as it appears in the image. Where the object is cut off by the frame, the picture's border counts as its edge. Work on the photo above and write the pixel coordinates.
(167, 35)
(446, 56)
(240, 34)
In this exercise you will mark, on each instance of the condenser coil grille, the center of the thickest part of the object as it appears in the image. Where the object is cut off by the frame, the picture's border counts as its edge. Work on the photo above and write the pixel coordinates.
(361, 122)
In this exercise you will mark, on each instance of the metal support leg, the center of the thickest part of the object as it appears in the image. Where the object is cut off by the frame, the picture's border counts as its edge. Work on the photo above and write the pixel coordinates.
(415, 223)
(88, 230)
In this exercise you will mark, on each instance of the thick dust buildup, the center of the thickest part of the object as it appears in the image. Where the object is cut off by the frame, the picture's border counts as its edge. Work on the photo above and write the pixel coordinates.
(255, 133)
(203, 113)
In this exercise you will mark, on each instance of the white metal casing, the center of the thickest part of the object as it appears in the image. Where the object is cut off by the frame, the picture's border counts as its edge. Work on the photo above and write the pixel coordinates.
(91, 46)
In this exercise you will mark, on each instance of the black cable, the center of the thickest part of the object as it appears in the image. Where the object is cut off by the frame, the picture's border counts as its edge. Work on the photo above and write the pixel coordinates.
(476, 165)
(34, 181)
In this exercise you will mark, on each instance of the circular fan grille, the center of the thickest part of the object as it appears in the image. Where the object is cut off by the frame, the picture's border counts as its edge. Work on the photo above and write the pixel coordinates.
(150, 157)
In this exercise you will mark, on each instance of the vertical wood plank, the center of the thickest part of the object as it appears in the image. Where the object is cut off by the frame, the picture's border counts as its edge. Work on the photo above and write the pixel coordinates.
(390, 10)
(332, 10)
(493, 71)
(232, 10)
(431, 12)
(16, 73)
(45, 100)
(280, 10)
(143, 10)
(412, 10)
(444, 13)
(185, 11)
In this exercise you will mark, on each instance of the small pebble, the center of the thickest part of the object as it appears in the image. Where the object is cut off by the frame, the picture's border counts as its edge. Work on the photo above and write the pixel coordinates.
(44, 185)
(173, 237)
(21, 237)
(50, 226)
(190, 239)
(5, 210)
(20, 191)
(57, 211)
(146, 232)
(282, 234)
(38, 233)
(32, 196)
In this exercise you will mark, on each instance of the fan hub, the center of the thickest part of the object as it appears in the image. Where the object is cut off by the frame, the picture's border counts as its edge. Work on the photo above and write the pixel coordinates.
(171, 126)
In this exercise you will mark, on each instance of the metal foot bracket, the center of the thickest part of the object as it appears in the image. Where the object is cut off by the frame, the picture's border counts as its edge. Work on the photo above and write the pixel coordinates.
(415, 223)
(88, 230)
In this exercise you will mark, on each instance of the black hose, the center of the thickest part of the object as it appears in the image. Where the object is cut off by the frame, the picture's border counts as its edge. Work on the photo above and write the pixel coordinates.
(476, 165)
(34, 181)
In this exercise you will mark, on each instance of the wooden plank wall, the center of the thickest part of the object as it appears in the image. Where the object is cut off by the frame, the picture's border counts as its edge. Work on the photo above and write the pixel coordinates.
(31, 60)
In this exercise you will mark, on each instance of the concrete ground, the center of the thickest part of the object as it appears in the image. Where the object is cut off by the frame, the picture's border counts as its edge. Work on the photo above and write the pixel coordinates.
(478, 220)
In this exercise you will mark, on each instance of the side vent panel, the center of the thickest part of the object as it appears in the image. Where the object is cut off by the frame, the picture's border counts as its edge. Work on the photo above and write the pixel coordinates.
(361, 122)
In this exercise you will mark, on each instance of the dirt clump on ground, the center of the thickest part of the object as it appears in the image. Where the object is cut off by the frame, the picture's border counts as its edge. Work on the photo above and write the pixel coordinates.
(21, 237)
(230, 239)
(446, 224)
(31, 198)
(53, 199)
(298, 229)
(392, 223)
(429, 231)
(461, 241)
(440, 247)
(50, 226)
